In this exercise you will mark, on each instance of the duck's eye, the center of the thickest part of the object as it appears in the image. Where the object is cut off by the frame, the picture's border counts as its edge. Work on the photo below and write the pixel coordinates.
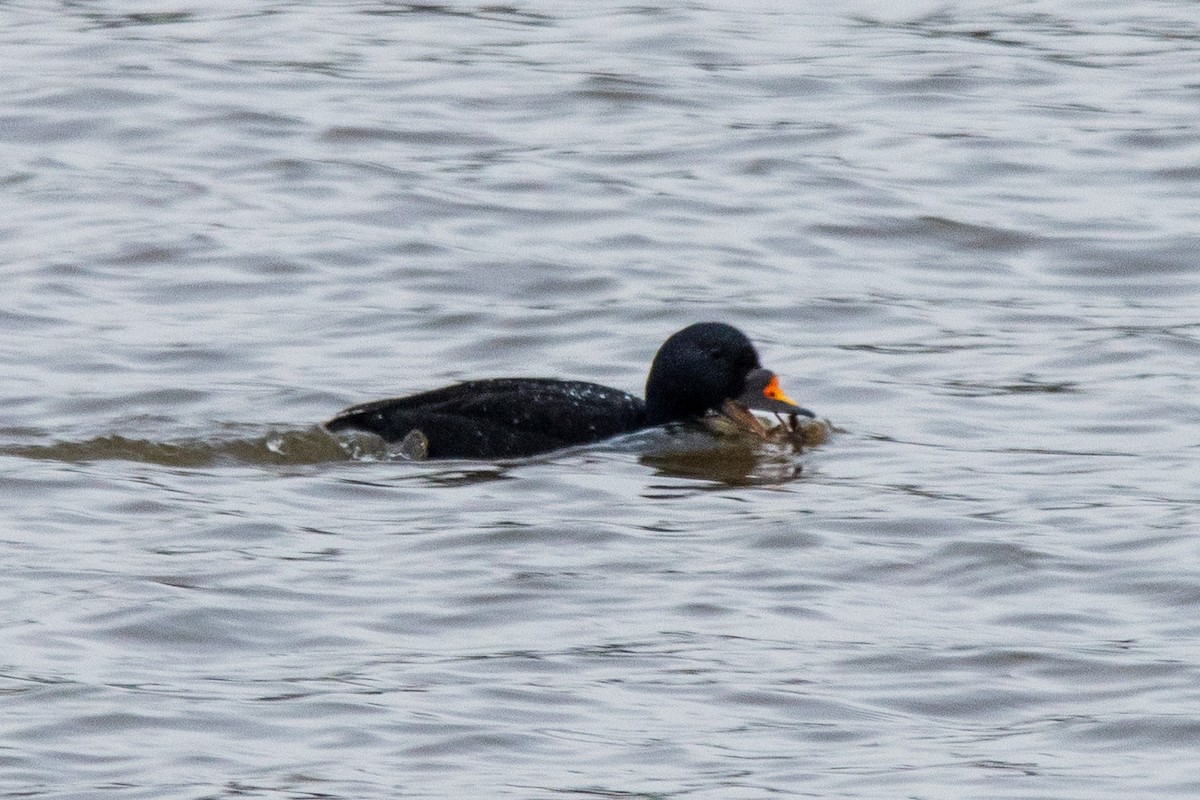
(716, 353)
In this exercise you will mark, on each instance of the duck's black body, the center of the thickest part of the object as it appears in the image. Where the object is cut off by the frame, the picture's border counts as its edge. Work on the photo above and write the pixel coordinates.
(501, 417)
(695, 372)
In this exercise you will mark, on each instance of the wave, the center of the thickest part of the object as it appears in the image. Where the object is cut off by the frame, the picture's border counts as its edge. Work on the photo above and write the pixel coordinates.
(312, 445)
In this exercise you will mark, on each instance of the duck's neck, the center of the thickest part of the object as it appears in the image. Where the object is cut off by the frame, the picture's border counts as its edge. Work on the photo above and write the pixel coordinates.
(663, 406)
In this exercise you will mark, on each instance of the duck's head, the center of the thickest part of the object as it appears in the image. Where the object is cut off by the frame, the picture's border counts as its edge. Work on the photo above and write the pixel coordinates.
(704, 365)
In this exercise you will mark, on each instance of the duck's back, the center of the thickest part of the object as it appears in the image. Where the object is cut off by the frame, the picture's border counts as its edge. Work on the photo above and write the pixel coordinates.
(501, 417)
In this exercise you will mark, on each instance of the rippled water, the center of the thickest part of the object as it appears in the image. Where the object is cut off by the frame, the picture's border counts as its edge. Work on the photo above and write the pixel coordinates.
(964, 233)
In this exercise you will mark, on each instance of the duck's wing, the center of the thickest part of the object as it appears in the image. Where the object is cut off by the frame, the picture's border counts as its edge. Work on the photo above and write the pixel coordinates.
(501, 417)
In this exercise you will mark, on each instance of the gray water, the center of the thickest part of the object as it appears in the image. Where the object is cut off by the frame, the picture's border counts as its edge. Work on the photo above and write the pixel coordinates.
(964, 233)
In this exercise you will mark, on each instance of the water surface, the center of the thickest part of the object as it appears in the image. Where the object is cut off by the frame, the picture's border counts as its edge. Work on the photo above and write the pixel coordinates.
(964, 233)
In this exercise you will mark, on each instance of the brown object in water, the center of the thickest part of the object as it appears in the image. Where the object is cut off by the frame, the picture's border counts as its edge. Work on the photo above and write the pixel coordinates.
(743, 419)
(800, 431)
(792, 429)
(414, 446)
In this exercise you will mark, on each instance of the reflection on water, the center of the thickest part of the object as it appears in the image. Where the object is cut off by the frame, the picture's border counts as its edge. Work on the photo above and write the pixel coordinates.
(726, 466)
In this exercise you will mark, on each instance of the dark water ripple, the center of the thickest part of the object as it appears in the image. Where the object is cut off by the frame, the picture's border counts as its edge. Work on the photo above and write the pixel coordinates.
(964, 234)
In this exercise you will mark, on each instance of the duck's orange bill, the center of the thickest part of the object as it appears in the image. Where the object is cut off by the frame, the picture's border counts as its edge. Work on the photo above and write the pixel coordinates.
(773, 391)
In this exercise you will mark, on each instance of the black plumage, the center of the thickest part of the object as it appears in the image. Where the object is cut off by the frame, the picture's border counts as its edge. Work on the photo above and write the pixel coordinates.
(694, 373)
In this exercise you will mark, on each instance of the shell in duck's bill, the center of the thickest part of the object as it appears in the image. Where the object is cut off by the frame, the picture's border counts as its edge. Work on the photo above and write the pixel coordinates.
(794, 429)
